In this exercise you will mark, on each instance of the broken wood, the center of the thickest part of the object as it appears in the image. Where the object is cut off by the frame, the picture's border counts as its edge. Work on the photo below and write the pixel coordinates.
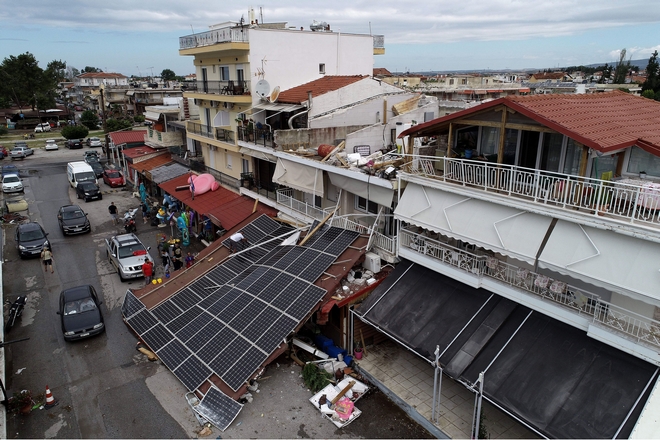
(150, 354)
(395, 162)
(337, 149)
(364, 348)
(341, 394)
(319, 226)
(182, 188)
(254, 208)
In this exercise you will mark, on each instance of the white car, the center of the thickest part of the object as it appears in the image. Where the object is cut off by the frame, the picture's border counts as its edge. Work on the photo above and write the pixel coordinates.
(50, 145)
(40, 128)
(94, 142)
(11, 183)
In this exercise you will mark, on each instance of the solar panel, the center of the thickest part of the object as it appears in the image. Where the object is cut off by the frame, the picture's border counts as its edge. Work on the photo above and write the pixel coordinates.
(235, 264)
(275, 335)
(131, 305)
(325, 239)
(274, 256)
(241, 372)
(215, 346)
(261, 324)
(215, 296)
(192, 373)
(217, 307)
(229, 356)
(252, 234)
(203, 287)
(184, 319)
(249, 276)
(220, 275)
(303, 262)
(266, 224)
(185, 299)
(289, 258)
(275, 287)
(316, 268)
(142, 321)
(193, 327)
(234, 308)
(207, 333)
(157, 337)
(345, 239)
(218, 408)
(304, 303)
(245, 317)
(167, 311)
(263, 282)
(173, 354)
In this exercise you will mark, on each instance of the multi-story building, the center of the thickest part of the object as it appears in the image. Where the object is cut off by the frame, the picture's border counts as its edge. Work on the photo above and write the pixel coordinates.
(86, 85)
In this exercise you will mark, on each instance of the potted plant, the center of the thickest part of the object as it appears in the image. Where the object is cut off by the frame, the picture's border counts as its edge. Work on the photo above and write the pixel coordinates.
(357, 351)
(21, 402)
(642, 175)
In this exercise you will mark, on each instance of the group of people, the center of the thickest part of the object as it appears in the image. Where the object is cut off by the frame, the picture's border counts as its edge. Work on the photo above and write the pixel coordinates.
(171, 261)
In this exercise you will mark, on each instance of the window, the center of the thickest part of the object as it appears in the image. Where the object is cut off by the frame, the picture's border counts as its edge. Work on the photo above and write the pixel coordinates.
(224, 73)
(641, 160)
(366, 205)
(228, 161)
(490, 137)
(322, 68)
(572, 158)
(451, 82)
(551, 152)
(245, 166)
(464, 81)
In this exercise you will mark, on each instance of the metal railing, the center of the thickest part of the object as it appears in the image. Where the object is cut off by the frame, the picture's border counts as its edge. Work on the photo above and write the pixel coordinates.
(285, 198)
(636, 203)
(236, 34)
(224, 179)
(257, 136)
(580, 301)
(216, 133)
(217, 87)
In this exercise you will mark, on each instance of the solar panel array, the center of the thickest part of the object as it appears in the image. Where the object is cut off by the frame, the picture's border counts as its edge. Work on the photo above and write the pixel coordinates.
(231, 319)
(218, 409)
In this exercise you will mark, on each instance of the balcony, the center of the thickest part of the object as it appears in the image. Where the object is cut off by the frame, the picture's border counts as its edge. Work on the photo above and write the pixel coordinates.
(286, 199)
(158, 139)
(229, 88)
(215, 133)
(588, 305)
(227, 35)
(629, 202)
(257, 136)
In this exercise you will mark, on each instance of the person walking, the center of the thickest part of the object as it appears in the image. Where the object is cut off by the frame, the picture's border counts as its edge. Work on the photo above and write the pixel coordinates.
(147, 270)
(112, 209)
(47, 258)
(190, 259)
(145, 213)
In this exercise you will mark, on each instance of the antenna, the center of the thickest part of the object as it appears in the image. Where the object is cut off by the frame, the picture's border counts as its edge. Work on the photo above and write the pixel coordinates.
(193, 30)
(152, 70)
(138, 68)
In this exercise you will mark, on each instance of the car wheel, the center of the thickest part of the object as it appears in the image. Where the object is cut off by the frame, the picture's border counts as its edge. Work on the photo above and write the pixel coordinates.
(100, 197)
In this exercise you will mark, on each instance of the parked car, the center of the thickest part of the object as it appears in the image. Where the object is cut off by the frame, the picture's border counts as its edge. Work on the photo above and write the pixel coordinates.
(113, 178)
(127, 253)
(51, 145)
(73, 144)
(91, 155)
(40, 128)
(11, 183)
(20, 152)
(73, 220)
(88, 191)
(30, 239)
(97, 167)
(80, 313)
(9, 169)
(94, 142)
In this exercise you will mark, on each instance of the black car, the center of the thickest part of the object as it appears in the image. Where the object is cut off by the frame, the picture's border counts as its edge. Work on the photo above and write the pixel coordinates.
(30, 239)
(88, 191)
(73, 220)
(80, 313)
(74, 143)
(97, 167)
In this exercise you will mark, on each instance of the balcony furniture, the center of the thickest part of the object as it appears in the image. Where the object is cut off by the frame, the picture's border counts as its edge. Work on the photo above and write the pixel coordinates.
(558, 287)
(521, 277)
(542, 283)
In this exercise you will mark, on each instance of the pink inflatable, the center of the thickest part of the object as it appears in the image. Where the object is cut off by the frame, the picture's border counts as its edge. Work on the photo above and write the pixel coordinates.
(203, 183)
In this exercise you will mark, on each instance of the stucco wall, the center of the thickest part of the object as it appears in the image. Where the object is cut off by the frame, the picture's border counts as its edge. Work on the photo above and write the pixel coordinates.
(308, 137)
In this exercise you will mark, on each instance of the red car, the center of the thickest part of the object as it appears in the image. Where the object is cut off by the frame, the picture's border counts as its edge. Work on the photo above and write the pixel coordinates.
(113, 178)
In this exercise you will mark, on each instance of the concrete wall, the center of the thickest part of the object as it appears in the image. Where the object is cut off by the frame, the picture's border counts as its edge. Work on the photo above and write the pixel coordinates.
(309, 137)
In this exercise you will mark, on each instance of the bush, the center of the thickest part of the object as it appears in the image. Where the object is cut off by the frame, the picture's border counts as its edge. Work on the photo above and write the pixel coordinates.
(650, 94)
(139, 118)
(3, 130)
(75, 132)
(315, 379)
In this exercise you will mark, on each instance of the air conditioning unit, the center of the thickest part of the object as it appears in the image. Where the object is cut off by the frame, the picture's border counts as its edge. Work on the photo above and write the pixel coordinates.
(371, 262)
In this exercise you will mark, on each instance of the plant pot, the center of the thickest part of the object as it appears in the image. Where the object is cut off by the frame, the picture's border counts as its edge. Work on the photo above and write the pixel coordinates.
(602, 209)
(357, 353)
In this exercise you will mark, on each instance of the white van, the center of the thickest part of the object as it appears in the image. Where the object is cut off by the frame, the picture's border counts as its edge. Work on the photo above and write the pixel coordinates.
(78, 172)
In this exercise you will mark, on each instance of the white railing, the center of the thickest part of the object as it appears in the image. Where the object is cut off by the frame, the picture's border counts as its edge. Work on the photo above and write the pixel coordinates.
(226, 35)
(636, 203)
(345, 223)
(388, 244)
(285, 198)
(578, 300)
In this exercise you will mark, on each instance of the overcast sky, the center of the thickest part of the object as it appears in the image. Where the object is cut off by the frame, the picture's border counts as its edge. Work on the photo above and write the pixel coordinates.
(141, 37)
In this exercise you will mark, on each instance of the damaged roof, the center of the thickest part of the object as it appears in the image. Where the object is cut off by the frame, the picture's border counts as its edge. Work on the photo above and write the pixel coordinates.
(321, 86)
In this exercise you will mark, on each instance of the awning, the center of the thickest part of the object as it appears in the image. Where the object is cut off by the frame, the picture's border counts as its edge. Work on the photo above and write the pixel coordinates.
(273, 106)
(378, 194)
(258, 154)
(604, 258)
(502, 229)
(167, 172)
(130, 92)
(553, 376)
(298, 176)
(152, 116)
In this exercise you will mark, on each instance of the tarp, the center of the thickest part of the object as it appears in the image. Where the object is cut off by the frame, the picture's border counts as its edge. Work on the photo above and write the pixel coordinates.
(549, 374)
(502, 229)
(379, 194)
(152, 116)
(605, 258)
(298, 176)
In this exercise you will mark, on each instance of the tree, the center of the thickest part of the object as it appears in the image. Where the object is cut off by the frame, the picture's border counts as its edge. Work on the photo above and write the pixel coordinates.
(607, 72)
(622, 68)
(168, 75)
(21, 79)
(75, 132)
(652, 74)
(89, 119)
(650, 94)
(113, 124)
(89, 69)
(72, 72)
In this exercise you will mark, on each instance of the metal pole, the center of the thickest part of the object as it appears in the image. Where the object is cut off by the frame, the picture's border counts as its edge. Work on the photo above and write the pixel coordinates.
(105, 131)
(435, 382)
(477, 414)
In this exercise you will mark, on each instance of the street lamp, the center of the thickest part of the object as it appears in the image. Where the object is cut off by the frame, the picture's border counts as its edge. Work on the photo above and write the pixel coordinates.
(105, 132)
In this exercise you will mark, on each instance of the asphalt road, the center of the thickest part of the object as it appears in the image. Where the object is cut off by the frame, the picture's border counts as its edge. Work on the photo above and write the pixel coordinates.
(105, 388)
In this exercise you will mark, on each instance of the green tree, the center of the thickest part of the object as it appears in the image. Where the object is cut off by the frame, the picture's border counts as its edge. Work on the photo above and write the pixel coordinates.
(89, 119)
(168, 75)
(75, 132)
(650, 94)
(622, 68)
(113, 124)
(89, 69)
(607, 72)
(652, 74)
(21, 79)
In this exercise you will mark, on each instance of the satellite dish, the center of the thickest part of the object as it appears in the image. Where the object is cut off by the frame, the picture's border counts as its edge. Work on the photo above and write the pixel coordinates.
(262, 88)
(275, 94)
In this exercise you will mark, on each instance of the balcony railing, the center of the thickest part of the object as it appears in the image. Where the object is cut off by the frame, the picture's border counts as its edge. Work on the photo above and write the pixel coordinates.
(216, 133)
(227, 35)
(580, 301)
(218, 87)
(633, 202)
(285, 198)
(257, 136)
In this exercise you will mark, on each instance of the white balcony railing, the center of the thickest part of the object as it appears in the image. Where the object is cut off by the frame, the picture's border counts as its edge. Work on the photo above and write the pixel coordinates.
(582, 302)
(637, 203)
(225, 35)
(285, 198)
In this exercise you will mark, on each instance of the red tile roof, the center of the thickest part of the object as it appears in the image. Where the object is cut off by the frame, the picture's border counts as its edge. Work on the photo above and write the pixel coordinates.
(127, 137)
(602, 121)
(381, 71)
(100, 75)
(142, 150)
(298, 94)
(150, 164)
(221, 206)
(548, 75)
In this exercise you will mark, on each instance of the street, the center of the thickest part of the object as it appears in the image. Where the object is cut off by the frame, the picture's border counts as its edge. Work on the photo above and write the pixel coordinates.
(104, 387)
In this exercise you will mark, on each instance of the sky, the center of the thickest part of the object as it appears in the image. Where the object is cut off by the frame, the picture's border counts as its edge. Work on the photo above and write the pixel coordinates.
(141, 37)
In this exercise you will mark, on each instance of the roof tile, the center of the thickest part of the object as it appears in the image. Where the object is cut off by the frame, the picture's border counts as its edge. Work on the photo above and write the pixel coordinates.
(321, 86)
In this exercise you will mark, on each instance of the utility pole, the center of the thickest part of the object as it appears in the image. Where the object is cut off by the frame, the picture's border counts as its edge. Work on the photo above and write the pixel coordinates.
(105, 131)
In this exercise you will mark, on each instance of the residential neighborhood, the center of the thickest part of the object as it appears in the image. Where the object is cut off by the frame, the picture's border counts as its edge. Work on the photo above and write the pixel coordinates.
(479, 249)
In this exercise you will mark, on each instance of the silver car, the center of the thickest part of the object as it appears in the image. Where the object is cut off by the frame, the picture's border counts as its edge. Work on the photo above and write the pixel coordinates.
(127, 254)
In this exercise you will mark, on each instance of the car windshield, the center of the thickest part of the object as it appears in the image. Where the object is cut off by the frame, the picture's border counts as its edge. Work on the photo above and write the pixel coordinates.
(79, 306)
(35, 234)
(87, 175)
(113, 174)
(132, 251)
(93, 139)
(87, 186)
(11, 179)
(69, 215)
